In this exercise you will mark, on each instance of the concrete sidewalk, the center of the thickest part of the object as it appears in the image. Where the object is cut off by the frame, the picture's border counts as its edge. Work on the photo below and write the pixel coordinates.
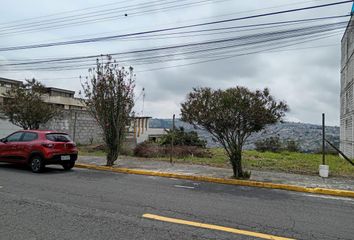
(199, 170)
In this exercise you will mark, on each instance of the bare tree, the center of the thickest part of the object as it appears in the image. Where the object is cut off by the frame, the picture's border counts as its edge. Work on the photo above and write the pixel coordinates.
(231, 116)
(24, 106)
(109, 97)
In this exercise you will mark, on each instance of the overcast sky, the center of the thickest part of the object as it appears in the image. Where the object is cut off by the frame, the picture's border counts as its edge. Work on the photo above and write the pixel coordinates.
(306, 76)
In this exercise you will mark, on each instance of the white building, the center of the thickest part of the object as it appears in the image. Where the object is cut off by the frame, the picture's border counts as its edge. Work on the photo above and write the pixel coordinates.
(140, 130)
(347, 92)
(61, 97)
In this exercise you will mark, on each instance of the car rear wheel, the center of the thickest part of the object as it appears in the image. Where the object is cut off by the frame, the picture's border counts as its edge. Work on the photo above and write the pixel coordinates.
(68, 165)
(37, 164)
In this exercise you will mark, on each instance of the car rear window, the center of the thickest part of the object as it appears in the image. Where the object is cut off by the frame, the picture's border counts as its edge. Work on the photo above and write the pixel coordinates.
(58, 137)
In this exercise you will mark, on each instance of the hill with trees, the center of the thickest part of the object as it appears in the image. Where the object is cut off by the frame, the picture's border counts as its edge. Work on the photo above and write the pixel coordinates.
(308, 136)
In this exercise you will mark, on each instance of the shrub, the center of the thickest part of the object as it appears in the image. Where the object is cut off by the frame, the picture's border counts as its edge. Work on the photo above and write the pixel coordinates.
(182, 138)
(292, 146)
(271, 144)
(186, 151)
(148, 150)
(151, 150)
(126, 150)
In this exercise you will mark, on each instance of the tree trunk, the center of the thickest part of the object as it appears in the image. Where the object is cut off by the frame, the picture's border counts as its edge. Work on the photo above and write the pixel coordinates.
(113, 142)
(112, 155)
(237, 163)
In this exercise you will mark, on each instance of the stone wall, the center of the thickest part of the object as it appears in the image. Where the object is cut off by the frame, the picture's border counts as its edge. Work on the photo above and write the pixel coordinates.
(84, 129)
(78, 124)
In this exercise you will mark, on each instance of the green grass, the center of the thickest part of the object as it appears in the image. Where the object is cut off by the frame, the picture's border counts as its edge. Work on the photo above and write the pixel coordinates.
(88, 151)
(294, 162)
(291, 162)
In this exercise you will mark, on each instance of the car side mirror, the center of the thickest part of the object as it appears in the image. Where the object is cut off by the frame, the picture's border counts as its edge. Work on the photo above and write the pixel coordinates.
(4, 140)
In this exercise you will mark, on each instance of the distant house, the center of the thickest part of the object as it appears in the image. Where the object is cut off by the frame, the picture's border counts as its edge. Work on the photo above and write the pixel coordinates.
(61, 97)
(5, 85)
(140, 130)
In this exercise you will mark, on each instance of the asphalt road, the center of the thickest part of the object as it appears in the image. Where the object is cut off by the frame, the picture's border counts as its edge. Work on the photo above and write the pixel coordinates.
(87, 204)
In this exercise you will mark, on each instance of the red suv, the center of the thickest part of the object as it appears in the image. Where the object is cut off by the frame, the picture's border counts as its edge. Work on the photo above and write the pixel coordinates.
(38, 148)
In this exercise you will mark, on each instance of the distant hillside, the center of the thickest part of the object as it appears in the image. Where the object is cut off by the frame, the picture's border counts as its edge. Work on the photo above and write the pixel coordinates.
(309, 136)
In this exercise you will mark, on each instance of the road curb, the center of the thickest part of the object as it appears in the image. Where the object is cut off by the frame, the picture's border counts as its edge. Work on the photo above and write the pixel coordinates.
(248, 183)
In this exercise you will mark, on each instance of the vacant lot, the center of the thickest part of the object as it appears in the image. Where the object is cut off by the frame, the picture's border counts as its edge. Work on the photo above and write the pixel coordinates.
(292, 162)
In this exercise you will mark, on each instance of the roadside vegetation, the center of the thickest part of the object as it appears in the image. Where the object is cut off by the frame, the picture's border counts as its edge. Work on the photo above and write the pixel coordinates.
(109, 98)
(271, 154)
(231, 116)
(284, 161)
(184, 144)
(24, 106)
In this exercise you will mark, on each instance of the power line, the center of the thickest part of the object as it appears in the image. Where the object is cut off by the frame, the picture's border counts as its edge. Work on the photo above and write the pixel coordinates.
(253, 40)
(95, 17)
(216, 59)
(64, 18)
(180, 34)
(27, 20)
(98, 39)
(269, 50)
(203, 18)
(214, 31)
(162, 68)
(259, 39)
(263, 25)
(65, 12)
(86, 15)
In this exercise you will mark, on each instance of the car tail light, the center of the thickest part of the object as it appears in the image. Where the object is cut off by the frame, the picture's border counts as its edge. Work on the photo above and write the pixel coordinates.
(47, 145)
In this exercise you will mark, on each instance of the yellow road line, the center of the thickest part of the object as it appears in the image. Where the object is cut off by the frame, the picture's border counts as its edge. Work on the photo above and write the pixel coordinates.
(214, 227)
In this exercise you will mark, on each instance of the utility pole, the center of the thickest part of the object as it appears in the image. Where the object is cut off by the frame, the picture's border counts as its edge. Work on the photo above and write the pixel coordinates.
(323, 140)
(172, 137)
